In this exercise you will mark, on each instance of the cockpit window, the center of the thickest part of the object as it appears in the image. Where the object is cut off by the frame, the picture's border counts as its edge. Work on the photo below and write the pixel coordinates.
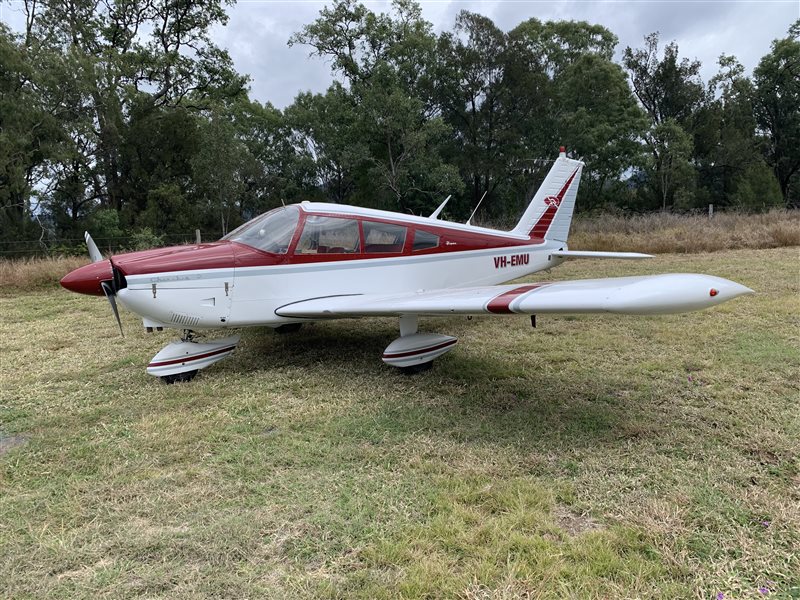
(270, 232)
(329, 235)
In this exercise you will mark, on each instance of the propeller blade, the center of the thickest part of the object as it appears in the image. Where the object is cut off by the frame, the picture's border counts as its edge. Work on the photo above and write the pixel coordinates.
(109, 292)
(94, 253)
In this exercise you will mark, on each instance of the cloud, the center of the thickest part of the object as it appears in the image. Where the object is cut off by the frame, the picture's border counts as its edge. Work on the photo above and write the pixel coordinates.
(256, 38)
(258, 31)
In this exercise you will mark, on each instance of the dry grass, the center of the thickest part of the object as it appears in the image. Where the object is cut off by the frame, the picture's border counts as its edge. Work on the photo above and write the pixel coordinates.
(593, 457)
(661, 233)
(36, 273)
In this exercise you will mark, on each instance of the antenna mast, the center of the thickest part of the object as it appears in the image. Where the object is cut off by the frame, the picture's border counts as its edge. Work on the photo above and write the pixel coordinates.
(477, 207)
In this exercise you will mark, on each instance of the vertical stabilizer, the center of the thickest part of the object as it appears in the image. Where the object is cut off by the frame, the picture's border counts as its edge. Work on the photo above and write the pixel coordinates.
(549, 214)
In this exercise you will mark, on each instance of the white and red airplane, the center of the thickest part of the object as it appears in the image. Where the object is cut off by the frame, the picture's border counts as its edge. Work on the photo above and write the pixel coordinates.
(318, 261)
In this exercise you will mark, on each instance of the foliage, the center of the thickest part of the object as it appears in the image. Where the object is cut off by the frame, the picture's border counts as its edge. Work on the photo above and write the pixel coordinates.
(127, 107)
(777, 104)
(144, 238)
(29, 135)
(757, 189)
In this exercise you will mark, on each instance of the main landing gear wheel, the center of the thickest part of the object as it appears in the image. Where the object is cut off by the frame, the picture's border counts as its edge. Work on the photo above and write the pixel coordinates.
(415, 369)
(179, 377)
(288, 328)
(414, 352)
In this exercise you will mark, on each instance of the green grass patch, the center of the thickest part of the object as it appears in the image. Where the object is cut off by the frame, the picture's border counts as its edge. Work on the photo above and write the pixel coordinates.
(592, 457)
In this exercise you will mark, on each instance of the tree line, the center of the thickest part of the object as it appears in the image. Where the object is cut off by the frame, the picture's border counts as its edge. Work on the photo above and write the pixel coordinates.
(124, 118)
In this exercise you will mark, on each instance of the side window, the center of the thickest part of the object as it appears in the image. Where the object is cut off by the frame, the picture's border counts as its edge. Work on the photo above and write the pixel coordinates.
(382, 237)
(328, 235)
(424, 240)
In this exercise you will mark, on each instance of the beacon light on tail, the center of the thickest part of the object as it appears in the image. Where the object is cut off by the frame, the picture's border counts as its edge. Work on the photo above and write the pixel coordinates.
(317, 261)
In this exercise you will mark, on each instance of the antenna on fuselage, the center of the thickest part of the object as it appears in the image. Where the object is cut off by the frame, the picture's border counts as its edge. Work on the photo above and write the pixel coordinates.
(435, 214)
(477, 207)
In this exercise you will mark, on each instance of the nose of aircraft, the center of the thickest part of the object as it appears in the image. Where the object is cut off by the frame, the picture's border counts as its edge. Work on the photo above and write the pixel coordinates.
(86, 279)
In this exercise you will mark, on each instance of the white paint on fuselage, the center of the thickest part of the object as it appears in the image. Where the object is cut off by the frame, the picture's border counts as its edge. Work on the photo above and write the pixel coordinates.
(254, 293)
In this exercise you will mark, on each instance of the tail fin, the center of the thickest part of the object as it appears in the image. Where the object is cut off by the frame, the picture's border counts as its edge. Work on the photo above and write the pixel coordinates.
(549, 214)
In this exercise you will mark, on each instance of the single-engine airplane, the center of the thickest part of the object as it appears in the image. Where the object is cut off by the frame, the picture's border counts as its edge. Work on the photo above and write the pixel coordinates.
(316, 261)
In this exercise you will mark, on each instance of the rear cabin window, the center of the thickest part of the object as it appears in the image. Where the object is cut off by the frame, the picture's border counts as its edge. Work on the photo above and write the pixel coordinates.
(328, 235)
(424, 240)
(383, 237)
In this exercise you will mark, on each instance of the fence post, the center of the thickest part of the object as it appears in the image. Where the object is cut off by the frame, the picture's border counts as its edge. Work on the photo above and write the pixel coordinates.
(710, 211)
(197, 236)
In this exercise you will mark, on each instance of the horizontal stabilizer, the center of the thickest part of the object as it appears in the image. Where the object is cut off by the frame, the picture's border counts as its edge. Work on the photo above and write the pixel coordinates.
(593, 254)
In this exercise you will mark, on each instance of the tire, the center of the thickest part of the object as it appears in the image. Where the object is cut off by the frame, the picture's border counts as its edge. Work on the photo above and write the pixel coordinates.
(186, 376)
(288, 328)
(414, 369)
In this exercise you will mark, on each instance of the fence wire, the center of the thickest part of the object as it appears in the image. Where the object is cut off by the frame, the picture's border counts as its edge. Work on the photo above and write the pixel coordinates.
(76, 245)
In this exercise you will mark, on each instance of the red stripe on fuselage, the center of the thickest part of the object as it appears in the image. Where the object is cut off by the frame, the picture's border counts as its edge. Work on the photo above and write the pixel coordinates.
(501, 305)
(229, 255)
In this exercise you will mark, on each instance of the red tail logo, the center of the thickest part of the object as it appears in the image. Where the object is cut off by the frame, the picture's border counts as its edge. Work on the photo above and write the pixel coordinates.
(553, 201)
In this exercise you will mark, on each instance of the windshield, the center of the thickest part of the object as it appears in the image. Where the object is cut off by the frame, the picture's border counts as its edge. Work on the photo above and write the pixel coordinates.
(270, 232)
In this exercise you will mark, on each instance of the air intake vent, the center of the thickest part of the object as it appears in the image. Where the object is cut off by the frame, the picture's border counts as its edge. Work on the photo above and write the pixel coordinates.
(185, 320)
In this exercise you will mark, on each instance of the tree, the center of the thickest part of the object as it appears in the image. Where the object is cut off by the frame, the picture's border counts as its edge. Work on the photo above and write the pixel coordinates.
(29, 135)
(777, 108)
(667, 88)
(756, 189)
(671, 93)
(673, 176)
(725, 142)
(117, 56)
(389, 62)
(471, 94)
(325, 132)
(548, 70)
(600, 120)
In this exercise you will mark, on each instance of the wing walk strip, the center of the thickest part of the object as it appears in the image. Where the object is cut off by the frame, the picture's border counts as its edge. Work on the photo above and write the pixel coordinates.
(192, 357)
(501, 304)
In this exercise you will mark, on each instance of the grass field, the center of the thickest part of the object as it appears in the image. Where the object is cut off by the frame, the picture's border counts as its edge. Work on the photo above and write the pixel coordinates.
(592, 457)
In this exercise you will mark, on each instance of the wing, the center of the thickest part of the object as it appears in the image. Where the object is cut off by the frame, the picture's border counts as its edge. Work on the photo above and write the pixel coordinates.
(653, 294)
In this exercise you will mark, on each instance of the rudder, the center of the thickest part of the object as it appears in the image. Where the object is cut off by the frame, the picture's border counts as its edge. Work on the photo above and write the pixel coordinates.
(549, 213)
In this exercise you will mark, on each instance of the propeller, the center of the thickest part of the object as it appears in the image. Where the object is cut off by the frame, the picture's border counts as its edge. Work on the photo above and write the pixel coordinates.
(94, 253)
(108, 290)
(109, 287)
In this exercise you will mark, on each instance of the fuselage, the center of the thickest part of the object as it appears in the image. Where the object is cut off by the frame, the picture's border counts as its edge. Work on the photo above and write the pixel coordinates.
(309, 250)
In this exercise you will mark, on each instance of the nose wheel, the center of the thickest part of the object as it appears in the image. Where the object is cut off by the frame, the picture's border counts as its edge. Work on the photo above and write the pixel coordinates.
(415, 369)
(179, 377)
(181, 360)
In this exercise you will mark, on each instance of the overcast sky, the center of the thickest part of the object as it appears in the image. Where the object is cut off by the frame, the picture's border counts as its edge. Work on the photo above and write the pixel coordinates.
(258, 30)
